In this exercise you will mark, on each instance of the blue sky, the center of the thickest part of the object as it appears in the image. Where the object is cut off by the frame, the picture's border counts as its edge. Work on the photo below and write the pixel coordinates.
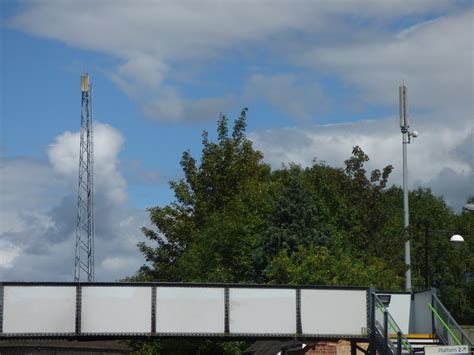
(317, 77)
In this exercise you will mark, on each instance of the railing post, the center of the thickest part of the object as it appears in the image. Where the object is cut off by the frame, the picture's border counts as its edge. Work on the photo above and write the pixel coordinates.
(372, 312)
(353, 347)
(399, 343)
(226, 310)
(385, 326)
(433, 327)
(371, 349)
(1, 307)
(78, 308)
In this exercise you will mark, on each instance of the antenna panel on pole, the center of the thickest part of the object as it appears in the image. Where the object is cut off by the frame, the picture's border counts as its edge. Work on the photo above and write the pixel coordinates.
(404, 120)
(85, 82)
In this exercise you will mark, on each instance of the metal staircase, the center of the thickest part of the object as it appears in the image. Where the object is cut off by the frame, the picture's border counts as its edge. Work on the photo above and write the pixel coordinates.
(388, 339)
(386, 335)
(445, 327)
(419, 341)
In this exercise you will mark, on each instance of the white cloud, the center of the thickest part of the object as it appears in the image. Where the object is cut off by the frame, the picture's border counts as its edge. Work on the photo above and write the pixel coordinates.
(169, 29)
(150, 38)
(8, 253)
(288, 93)
(435, 59)
(145, 70)
(32, 179)
(440, 158)
(63, 155)
(38, 213)
(169, 106)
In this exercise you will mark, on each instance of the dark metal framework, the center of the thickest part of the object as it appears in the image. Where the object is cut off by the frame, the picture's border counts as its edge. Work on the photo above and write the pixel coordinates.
(226, 335)
(1, 309)
(85, 230)
(299, 328)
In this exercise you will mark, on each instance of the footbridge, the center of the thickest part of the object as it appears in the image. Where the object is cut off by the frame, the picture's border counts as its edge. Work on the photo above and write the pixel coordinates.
(388, 323)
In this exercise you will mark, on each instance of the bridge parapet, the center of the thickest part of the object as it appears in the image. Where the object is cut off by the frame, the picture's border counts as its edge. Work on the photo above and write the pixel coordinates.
(125, 310)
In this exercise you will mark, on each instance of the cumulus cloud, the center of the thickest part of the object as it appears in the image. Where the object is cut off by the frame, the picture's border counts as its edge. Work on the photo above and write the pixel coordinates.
(8, 253)
(63, 155)
(37, 233)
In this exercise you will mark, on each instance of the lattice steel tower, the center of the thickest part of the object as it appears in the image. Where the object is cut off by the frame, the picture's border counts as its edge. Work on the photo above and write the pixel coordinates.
(84, 257)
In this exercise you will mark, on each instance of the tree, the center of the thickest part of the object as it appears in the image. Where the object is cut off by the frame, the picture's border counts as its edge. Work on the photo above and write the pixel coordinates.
(209, 232)
(319, 265)
(321, 207)
(366, 201)
(293, 221)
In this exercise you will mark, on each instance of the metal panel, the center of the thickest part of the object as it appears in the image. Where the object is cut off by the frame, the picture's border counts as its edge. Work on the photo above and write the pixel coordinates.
(184, 310)
(334, 312)
(399, 309)
(262, 311)
(42, 309)
(220, 311)
(421, 321)
(116, 309)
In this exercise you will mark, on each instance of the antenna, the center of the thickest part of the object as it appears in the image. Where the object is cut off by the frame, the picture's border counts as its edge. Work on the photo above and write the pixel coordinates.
(85, 230)
(404, 120)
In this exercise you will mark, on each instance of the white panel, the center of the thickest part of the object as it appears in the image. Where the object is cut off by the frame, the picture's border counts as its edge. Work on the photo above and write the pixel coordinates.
(39, 309)
(333, 312)
(190, 310)
(262, 311)
(116, 309)
(399, 309)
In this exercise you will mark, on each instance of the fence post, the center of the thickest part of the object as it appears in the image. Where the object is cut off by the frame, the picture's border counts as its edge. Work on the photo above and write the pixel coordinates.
(399, 343)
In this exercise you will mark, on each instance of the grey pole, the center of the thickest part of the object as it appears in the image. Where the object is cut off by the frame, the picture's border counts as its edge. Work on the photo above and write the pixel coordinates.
(404, 125)
(406, 219)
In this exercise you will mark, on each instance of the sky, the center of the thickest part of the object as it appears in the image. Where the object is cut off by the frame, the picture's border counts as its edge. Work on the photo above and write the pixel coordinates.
(318, 77)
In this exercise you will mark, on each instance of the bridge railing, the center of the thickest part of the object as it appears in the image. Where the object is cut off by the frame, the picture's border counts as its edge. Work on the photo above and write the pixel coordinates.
(124, 310)
(444, 325)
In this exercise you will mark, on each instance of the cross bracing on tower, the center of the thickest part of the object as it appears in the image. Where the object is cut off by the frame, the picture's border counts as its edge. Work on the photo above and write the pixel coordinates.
(84, 252)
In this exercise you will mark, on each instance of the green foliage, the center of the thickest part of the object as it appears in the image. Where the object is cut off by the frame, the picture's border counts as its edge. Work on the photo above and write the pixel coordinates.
(294, 220)
(320, 265)
(209, 232)
(314, 207)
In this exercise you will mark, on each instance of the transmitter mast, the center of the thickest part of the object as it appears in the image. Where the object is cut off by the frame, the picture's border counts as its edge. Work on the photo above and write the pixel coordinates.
(85, 230)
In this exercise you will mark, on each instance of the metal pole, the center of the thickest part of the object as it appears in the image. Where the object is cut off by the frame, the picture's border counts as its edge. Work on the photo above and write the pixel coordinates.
(399, 343)
(404, 125)
(406, 215)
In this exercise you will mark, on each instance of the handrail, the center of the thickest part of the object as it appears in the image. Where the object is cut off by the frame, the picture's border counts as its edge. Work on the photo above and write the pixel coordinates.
(444, 323)
(451, 320)
(388, 320)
